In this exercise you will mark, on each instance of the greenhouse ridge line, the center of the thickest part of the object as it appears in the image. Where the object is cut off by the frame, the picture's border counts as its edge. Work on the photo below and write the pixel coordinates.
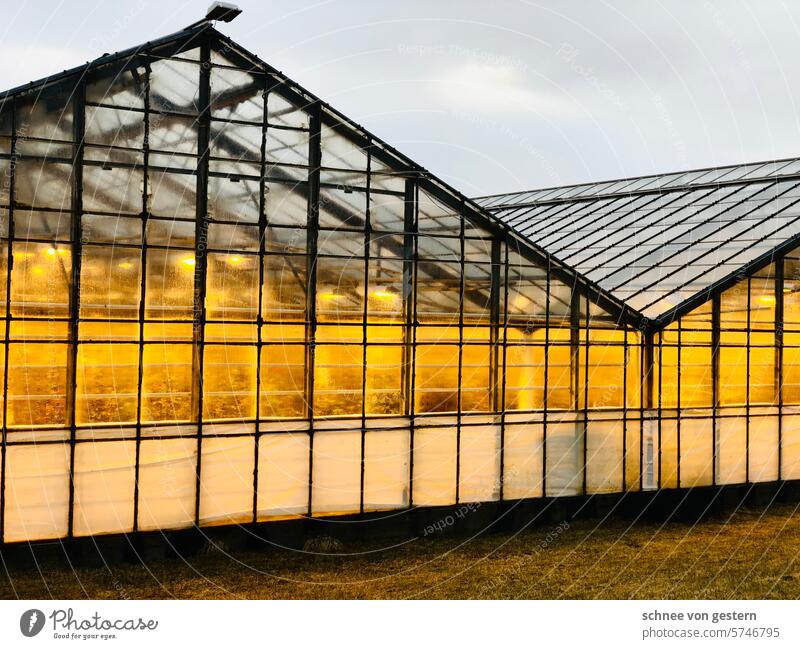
(671, 186)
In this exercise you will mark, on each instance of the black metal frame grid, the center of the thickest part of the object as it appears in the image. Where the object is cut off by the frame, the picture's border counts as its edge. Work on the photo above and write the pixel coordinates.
(497, 324)
(678, 242)
(722, 335)
(416, 268)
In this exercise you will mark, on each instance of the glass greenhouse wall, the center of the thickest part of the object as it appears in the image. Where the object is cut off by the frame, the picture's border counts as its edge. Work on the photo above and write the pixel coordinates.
(727, 377)
(223, 303)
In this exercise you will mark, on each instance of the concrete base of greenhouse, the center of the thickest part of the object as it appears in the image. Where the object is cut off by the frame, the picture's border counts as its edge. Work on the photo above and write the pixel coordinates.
(688, 505)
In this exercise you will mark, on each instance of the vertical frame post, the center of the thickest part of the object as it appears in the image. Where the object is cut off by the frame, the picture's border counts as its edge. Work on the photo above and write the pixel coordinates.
(365, 315)
(312, 233)
(142, 290)
(200, 254)
(715, 400)
(262, 278)
(410, 259)
(6, 335)
(79, 125)
(778, 375)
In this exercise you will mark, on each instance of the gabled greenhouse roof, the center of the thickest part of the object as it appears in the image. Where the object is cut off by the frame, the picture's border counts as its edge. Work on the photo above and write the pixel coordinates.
(229, 53)
(662, 242)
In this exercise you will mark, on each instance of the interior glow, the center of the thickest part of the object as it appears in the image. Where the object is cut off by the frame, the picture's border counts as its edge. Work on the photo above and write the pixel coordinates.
(471, 360)
(330, 295)
(389, 293)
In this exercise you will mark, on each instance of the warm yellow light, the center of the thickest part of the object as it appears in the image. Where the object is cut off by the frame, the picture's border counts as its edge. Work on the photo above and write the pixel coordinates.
(51, 251)
(384, 294)
(37, 270)
(126, 265)
(189, 261)
(330, 295)
(234, 260)
(767, 299)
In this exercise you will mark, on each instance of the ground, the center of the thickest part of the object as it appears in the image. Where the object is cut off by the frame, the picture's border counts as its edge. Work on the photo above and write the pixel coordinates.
(750, 554)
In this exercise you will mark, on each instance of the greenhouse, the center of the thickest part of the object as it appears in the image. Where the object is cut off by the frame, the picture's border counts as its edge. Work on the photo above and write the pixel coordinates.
(225, 303)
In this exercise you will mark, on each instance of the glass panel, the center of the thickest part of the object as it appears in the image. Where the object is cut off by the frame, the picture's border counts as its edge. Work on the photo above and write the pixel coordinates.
(667, 381)
(284, 288)
(387, 212)
(436, 380)
(43, 184)
(605, 373)
(384, 389)
(47, 114)
(282, 475)
(109, 229)
(167, 382)
(386, 290)
(40, 279)
(174, 86)
(229, 382)
(37, 384)
(342, 208)
(439, 293)
(733, 375)
(340, 289)
(696, 375)
(117, 87)
(525, 377)
(559, 373)
(107, 379)
(283, 380)
(477, 293)
(111, 127)
(236, 94)
(172, 195)
(761, 370)
(282, 113)
(791, 294)
(286, 147)
(286, 204)
(475, 372)
(170, 284)
(110, 282)
(435, 217)
(172, 234)
(233, 200)
(236, 141)
(232, 287)
(337, 380)
(762, 299)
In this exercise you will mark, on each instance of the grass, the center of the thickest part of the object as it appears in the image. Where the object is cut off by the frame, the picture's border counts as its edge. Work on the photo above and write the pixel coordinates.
(750, 554)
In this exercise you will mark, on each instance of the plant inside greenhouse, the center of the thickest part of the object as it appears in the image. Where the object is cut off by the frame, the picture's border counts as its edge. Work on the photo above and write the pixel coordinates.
(223, 302)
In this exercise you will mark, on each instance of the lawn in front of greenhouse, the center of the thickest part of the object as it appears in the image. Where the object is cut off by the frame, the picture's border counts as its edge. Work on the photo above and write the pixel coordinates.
(752, 553)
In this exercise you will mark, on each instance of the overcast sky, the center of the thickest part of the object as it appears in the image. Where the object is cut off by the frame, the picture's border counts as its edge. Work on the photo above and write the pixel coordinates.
(493, 95)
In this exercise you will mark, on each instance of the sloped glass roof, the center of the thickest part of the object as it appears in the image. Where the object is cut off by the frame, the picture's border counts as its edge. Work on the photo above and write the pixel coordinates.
(656, 241)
